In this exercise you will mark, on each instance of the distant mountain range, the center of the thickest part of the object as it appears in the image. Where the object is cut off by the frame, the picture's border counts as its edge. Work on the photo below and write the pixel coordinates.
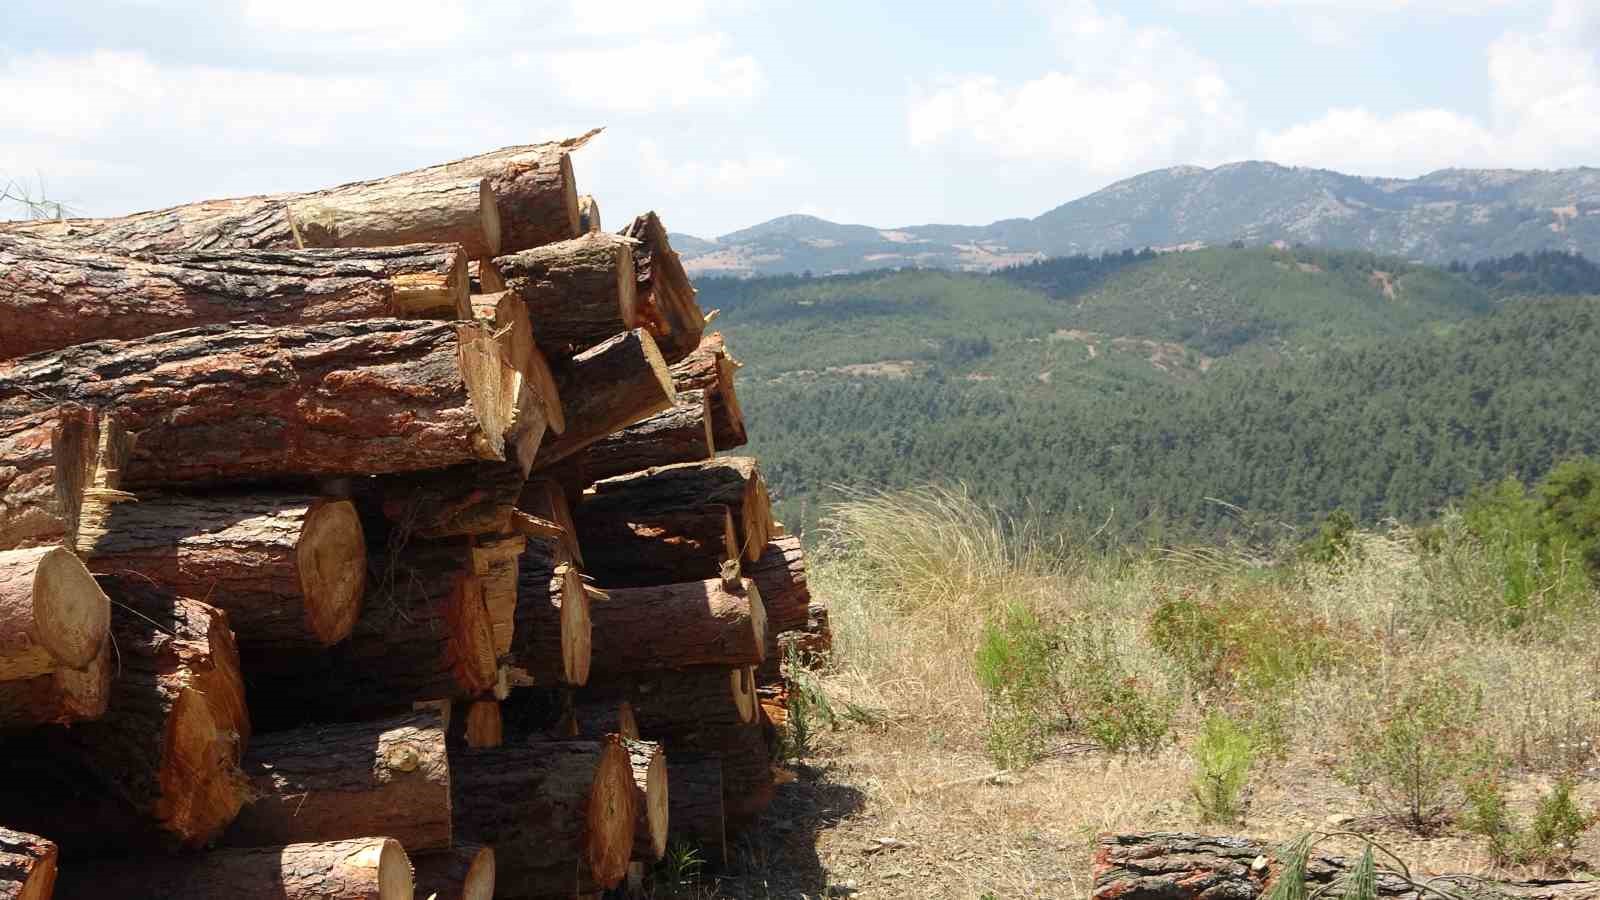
(1465, 214)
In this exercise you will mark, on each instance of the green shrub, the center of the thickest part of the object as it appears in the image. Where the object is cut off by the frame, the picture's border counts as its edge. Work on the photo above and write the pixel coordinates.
(1534, 553)
(1334, 542)
(1015, 667)
(1414, 762)
(1548, 840)
(1222, 756)
(1120, 708)
(1248, 640)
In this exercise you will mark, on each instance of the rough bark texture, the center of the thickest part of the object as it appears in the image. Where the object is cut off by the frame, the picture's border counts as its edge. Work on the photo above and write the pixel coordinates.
(27, 866)
(780, 573)
(464, 872)
(695, 813)
(578, 292)
(666, 298)
(545, 499)
(368, 868)
(711, 368)
(693, 708)
(53, 615)
(224, 402)
(588, 214)
(53, 295)
(48, 462)
(333, 782)
(437, 210)
(548, 804)
(629, 548)
(237, 223)
(1181, 866)
(679, 434)
(473, 498)
(553, 634)
(424, 634)
(747, 782)
(533, 187)
(289, 570)
(651, 798)
(674, 626)
(607, 388)
(731, 481)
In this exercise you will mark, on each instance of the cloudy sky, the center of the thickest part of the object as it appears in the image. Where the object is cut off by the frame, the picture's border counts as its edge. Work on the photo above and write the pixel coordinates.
(724, 113)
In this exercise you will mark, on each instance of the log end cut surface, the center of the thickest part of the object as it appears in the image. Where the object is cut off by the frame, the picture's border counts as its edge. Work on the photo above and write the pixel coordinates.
(332, 557)
(576, 631)
(656, 804)
(611, 813)
(393, 868)
(72, 614)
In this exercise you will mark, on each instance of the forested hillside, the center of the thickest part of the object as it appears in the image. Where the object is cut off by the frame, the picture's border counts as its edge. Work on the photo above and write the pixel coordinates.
(1159, 391)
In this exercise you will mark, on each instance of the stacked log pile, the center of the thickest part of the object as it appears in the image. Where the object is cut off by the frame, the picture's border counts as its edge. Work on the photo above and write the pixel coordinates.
(374, 542)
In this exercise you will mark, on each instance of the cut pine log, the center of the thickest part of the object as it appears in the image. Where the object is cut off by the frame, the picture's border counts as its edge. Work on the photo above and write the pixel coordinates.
(53, 295)
(780, 573)
(645, 547)
(53, 615)
(679, 434)
(694, 808)
(509, 315)
(553, 633)
(249, 402)
(578, 292)
(548, 805)
(496, 561)
(290, 570)
(472, 498)
(606, 388)
(439, 210)
(368, 868)
(665, 296)
(675, 626)
(747, 782)
(588, 215)
(731, 481)
(464, 872)
(546, 500)
(711, 368)
(51, 460)
(651, 798)
(27, 866)
(335, 782)
(692, 708)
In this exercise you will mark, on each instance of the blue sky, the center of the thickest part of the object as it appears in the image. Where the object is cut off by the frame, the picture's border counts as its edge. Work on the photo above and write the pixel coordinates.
(724, 113)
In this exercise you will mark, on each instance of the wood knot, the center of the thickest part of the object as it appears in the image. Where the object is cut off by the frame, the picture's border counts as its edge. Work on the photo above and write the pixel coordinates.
(402, 758)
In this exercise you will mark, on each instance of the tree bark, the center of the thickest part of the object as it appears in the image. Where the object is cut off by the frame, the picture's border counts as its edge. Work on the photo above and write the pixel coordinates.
(731, 481)
(747, 782)
(533, 187)
(607, 388)
(53, 615)
(290, 570)
(588, 215)
(679, 434)
(675, 626)
(472, 498)
(1180, 866)
(692, 708)
(441, 210)
(48, 462)
(780, 573)
(223, 402)
(367, 868)
(578, 292)
(545, 499)
(335, 782)
(27, 866)
(666, 298)
(695, 812)
(53, 295)
(651, 798)
(553, 633)
(544, 804)
(711, 368)
(634, 548)
(464, 872)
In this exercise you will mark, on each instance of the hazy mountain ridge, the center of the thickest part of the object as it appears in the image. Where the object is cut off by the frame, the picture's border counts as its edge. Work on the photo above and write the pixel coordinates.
(1465, 214)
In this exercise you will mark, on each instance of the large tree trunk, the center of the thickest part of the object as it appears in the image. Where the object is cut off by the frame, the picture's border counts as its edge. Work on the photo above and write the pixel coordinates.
(548, 804)
(607, 388)
(666, 298)
(695, 812)
(553, 633)
(679, 434)
(53, 615)
(645, 547)
(367, 868)
(424, 634)
(289, 570)
(333, 782)
(53, 295)
(711, 368)
(1179, 866)
(27, 866)
(731, 481)
(464, 872)
(578, 292)
(780, 573)
(675, 626)
(48, 462)
(222, 402)
(437, 210)
(651, 798)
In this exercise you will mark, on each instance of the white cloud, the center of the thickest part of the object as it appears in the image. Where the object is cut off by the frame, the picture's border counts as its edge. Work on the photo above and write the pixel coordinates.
(365, 24)
(653, 73)
(609, 17)
(723, 175)
(1357, 141)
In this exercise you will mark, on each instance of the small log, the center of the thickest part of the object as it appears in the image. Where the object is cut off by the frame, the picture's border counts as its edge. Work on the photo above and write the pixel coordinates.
(588, 215)
(644, 547)
(368, 868)
(53, 615)
(548, 804)
(53, 295)
(780, 573)
(578, 292)
(533, 187)
(484, 727)
(52, 459)
(711, 368)
(675, 626)
(651, 798)
(731, 481)
(692, 708)
(546, 500)
(694, 809)
(679, 434)
(607, 388)
(334, 782)
(665, 297)
(442, 210)
(222, 402)
(553, 637)
(464, 872)
(289, 570)
(27, 866)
